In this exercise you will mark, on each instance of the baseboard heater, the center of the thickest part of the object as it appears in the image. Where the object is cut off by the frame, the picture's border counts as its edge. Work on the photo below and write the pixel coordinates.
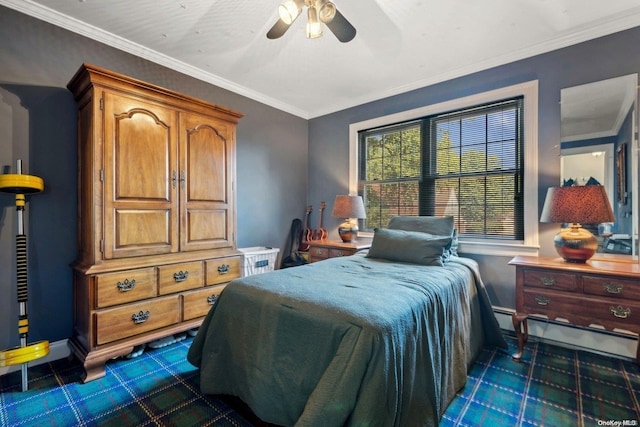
(609, 343)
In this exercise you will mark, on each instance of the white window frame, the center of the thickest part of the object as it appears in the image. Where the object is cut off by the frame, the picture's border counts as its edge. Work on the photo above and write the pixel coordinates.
(528, 246)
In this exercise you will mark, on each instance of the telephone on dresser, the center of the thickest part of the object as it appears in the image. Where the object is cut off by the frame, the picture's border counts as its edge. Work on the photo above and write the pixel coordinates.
(617, 244)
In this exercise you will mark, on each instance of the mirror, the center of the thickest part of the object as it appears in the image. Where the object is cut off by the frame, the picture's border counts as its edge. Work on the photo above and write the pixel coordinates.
(598, 142)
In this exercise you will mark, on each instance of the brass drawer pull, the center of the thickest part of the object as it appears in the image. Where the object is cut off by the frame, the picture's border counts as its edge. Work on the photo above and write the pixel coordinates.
(127, 285)
(223, 269)
(542, 300)
(548, 281)
(319, 251)
(180, 276)
(140, 317)
(612, 288)
(339, 253)
(212, 299)
(619, 312)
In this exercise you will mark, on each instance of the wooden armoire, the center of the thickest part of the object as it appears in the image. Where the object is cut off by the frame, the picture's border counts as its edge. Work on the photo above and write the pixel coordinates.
(156, 213)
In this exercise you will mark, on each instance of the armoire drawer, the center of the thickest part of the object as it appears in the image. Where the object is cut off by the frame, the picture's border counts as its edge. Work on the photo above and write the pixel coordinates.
(198, 303)
(179, 277)
(222, 270)
(124, 286)
(113, 324)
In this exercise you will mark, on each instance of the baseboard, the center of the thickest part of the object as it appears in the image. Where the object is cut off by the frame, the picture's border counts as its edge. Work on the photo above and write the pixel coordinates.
(608, 343)
(602, 342)
(57, 350)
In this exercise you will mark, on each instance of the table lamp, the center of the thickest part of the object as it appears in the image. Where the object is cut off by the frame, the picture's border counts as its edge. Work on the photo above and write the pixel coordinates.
(575, 205)
(349, 208)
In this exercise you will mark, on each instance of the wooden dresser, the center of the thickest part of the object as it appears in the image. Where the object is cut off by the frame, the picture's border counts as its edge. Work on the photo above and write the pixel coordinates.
(156, 213)
(326, 248)
(601, 292)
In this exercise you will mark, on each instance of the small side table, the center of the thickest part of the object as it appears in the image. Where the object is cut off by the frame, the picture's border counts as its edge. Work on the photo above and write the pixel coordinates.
(322, 249)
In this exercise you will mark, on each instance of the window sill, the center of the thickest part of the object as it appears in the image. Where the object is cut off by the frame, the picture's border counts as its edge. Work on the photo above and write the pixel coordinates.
(496, 248)
(486, 247)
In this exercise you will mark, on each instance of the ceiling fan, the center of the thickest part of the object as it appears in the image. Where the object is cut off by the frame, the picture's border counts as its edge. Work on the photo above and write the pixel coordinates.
(318, 12)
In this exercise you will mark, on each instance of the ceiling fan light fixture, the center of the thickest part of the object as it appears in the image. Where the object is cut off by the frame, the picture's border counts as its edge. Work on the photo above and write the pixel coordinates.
(319, 12)
(326, 10)
(314, 26)
(289, 11)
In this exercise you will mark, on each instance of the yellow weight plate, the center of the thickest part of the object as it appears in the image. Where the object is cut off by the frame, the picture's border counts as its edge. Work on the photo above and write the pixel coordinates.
(19, 183)
(19, 355)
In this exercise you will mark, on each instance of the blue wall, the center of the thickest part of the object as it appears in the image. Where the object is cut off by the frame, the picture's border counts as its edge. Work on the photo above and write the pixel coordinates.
(38, 126)
(284, 162)
(587, 62)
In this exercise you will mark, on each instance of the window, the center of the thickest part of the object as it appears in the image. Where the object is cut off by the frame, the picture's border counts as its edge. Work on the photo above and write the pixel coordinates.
(466, 163)
(465, 158)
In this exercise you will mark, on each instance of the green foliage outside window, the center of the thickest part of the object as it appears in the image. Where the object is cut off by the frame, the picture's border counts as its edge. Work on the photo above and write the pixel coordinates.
(470, 170)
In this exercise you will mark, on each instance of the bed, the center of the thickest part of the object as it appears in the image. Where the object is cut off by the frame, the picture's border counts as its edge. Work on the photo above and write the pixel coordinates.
(362, 340)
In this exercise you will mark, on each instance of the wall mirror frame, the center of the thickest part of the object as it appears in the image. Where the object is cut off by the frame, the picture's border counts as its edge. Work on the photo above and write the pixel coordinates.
(599, 139)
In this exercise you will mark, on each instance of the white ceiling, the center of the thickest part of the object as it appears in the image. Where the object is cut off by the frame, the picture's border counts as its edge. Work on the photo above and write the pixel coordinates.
(400, 44)
(597, 109)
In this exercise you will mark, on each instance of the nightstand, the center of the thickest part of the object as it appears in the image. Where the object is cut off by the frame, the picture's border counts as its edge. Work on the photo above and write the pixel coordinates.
(322, 249)
(598, 292)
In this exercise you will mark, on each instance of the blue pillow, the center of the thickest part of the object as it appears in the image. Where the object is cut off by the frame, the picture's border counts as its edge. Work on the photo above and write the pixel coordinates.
(410, 246)
(437, 225)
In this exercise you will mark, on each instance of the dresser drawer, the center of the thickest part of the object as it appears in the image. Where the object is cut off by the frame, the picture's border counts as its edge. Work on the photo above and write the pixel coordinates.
(612, 313)
(611, 287)
(583, 311)
(549, 303)
(113, 324)
(198, 303)
(318, 253)
(179, 277)
(339, 252)
(125, 286)
(222, 270)
(548, 279)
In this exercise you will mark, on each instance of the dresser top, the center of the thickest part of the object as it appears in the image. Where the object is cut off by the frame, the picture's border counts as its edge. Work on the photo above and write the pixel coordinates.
(362, 243)
(595, 266)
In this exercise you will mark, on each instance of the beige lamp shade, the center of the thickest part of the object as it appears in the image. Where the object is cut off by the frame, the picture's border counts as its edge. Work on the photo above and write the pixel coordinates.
(348, 207)
(576, 205)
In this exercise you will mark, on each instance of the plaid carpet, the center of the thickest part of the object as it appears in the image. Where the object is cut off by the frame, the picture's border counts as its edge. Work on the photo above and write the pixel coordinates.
(552, 387)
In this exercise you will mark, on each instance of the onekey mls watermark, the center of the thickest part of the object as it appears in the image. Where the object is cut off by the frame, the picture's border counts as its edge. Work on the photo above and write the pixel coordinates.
(617, 423)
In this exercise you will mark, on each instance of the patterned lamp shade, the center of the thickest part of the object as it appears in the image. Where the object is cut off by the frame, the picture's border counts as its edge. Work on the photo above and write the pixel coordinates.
(587, 204)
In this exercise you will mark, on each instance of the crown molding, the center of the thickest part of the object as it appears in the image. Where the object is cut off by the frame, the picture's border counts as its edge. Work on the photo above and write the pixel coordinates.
(606, 27)
(587, 32)
(58, 19)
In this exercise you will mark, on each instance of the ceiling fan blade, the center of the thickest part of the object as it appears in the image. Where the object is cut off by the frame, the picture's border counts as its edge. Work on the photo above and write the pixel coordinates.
(278, 30)
(341, 28)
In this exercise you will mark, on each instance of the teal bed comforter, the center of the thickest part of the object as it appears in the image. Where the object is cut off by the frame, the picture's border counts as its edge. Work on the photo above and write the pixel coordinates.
(352, 341)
